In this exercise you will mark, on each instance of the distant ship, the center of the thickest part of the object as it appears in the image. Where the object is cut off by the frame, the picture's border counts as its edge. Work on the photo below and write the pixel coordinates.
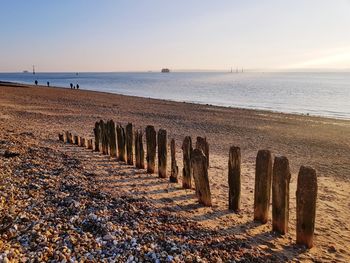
(25, 71)
(165, 70)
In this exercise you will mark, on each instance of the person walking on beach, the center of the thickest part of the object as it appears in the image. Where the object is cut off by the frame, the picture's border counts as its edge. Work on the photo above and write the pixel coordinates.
(71, 86)
(77, 86)
(36, 82)
(48, 84)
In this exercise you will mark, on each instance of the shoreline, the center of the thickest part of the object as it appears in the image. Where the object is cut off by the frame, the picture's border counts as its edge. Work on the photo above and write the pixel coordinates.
(18, 84)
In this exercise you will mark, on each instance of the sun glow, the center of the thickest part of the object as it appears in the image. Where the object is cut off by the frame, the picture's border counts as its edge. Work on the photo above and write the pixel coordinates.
(336, 58)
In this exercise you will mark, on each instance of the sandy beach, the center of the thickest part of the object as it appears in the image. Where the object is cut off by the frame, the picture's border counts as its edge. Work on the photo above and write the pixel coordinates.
(322, 143)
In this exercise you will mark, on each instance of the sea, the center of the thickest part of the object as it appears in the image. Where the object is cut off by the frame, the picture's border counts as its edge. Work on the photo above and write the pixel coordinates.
(319, 94)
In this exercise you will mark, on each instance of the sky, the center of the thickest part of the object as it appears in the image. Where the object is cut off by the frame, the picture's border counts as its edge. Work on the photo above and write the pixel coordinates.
(142, 35)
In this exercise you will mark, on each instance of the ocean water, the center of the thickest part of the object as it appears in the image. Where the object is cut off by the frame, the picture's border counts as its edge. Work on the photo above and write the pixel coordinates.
(320, 94)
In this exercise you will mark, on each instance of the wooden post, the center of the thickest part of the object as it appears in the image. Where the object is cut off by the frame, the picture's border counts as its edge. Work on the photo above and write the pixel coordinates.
(306, 206)
(280, 195)
(129, 140)
(234, 178)
(107, 136)
(262, 190)
(142, 152)
(89, 144)
(67, 137)
(80, 141)
(61, 137)
(97, 134)
(174, 168)
(112, 139)
(137, 151)
(76, 139)
(104, 137)
(151, 141)
(200, 174)
(162, 153)
(71, 138)
(187, 167)
(121, 143)
(203, 145)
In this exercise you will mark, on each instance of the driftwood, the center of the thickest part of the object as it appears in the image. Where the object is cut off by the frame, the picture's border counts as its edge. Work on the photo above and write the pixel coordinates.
(174, 167)
(89, 144)
(262, 190)
(151, 141)
(187, 167)
(129, 140)
(112, 139)
(97, 134)
(121, 143)
(162, 153)
(234, 178)
(306, 196)
(203, 145)
(280, 195)
(200, 174)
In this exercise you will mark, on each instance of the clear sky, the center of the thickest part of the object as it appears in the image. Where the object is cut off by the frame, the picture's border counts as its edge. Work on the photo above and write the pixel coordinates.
(139, 35)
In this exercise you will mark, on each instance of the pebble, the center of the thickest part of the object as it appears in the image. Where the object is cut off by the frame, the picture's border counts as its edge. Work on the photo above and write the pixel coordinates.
(59, 214)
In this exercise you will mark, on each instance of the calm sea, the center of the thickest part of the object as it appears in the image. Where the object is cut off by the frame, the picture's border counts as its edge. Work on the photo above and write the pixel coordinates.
(322, 94)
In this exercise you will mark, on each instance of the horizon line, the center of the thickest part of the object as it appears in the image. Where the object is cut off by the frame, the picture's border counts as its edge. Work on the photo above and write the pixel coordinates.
(247, 70)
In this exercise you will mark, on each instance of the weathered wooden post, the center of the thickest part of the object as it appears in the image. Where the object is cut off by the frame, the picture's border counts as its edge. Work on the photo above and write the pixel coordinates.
(187, 167)
(80, 141)
(151, 141)
(89, 144)
(280, 195)
(104, 137)
(306, 196)
(61, 137)
(262, 190)
(67, 137)
(203, 145)
(112, 139)
(142, 152)
(121, 143)
(129, 139)
(97, 134)
(174, 167)
(162, 153)
(139, 152)
(234, 178)
(76, 140)
(200, 174)
(71, 138)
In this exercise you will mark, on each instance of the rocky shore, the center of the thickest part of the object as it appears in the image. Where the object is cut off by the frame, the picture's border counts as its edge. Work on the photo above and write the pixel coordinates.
(60, 202)
(51, 210)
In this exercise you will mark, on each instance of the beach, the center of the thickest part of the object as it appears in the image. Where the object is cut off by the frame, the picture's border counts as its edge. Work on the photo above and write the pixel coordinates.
(322, 143)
